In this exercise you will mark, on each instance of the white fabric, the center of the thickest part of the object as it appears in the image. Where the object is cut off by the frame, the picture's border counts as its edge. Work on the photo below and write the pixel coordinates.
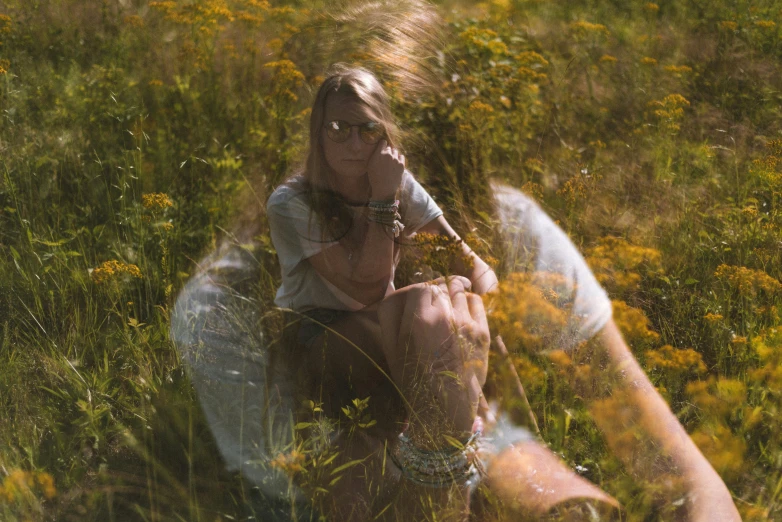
(296, 237)
(536, 245)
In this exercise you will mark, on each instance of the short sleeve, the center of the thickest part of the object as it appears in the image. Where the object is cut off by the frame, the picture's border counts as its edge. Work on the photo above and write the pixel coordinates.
(296, 234)
(419, 207)
(536, 247)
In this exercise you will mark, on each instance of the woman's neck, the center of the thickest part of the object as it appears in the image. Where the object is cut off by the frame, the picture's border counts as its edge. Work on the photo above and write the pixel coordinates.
(355, 191)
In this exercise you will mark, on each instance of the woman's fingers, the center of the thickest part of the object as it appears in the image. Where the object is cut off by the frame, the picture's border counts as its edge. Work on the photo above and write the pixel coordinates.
(457, 291)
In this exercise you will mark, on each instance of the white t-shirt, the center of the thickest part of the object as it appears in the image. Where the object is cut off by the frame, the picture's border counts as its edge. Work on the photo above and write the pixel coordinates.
(296, 237)
(535, 245)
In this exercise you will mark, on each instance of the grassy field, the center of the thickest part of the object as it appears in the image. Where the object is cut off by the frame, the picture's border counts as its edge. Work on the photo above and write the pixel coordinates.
(132, 131)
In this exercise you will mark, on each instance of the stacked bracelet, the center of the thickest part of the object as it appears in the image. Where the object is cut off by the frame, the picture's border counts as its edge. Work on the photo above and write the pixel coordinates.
(386, 213)
(438, 468)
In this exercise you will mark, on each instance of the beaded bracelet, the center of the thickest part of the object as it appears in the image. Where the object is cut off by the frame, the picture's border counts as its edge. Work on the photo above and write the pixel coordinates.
(386, 213)
(438, 468)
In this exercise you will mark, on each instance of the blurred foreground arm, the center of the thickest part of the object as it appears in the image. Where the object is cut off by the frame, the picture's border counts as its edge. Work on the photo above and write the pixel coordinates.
(644, 433)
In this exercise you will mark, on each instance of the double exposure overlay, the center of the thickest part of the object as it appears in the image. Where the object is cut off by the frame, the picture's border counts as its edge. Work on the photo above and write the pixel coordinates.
(509, 260)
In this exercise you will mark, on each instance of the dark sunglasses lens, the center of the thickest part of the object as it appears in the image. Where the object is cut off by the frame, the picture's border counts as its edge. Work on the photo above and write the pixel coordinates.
(338, 131)
(371, 133)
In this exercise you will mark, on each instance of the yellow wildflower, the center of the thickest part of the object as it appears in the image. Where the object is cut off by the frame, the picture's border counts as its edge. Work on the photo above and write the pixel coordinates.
(4, 65)
(155, 83)
(616, 263)
(533, 189)
(531, 58)
(652, 7)
(713, 318)
(675, 360)
(5, 23)
(750, 211)
(724, 450)
(728, 25)
(134, 21)
(678, 70)
(111, 269)
(582, 28)
(498, 47)
(529, 310)
(765, 24)
(290, 463)
(747, 281)
(646, 60)
(607, 58)
(634, 325)
(156, 201)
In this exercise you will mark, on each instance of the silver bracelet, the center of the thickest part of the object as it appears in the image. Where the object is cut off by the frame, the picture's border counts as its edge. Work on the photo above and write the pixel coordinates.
(386, 213)
(437, 468)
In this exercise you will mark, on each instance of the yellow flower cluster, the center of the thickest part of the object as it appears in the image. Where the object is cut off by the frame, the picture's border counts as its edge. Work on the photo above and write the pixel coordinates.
(652, 7)
(616, 262)
(440, 252)
(134, 21)
(768, 346)
(582, 28)
(670, 111)
(5, 23)
(724, 450)
(21, 484)
(480, 38)
(607, 58)
(577, 188)
(765, 24)
(747, 281)
(713, 318)
(156, 201)
(112, 269)
(675, 360)
(718, 399)
(646, 60)
(678, 70)
(531, 58)
(634, 325)
(530, 310)
(4, 65)
(728, 25)
(533, 189)
(289, 463)
(287, 78)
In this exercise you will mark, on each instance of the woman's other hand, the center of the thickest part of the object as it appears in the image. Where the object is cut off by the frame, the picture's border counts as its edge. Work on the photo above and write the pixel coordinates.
(385, 169)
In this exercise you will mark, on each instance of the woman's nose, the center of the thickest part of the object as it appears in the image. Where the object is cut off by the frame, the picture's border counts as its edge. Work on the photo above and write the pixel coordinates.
(355, 143)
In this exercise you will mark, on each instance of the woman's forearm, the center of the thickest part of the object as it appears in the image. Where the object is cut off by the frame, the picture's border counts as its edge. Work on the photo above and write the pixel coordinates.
(372, 260)
(646, 435)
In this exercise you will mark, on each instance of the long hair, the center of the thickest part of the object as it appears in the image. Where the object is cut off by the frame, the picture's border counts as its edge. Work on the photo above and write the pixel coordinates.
(316, 178)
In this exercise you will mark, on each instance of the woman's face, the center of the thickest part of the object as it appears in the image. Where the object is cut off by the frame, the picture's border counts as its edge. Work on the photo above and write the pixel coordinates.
(348, 159)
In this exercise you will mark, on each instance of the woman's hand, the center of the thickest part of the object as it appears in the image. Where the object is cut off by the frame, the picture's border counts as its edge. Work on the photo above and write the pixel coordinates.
(436, 341)
(385, 169)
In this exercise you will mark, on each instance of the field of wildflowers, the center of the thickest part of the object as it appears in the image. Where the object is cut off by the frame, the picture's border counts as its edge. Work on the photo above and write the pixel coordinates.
(133, 133)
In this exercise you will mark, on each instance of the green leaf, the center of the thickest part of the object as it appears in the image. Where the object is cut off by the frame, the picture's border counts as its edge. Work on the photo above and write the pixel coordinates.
(302, 425)
(347, 465)
(690, 281)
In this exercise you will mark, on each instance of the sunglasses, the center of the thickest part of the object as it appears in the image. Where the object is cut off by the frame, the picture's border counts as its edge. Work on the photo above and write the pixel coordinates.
(339, 131)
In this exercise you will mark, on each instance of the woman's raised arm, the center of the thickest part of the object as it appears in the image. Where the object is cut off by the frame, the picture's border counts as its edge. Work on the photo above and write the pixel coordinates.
(480, 273)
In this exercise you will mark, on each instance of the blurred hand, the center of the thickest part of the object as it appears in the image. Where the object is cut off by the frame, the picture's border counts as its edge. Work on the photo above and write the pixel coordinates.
(385, 169)
(436, 341)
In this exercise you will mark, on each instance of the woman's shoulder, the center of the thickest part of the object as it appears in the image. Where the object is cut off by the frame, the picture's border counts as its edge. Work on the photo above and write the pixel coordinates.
(295, 187)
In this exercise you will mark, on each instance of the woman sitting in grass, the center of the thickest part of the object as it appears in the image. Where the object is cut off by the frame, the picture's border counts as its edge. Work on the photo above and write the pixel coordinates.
(427, 444)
